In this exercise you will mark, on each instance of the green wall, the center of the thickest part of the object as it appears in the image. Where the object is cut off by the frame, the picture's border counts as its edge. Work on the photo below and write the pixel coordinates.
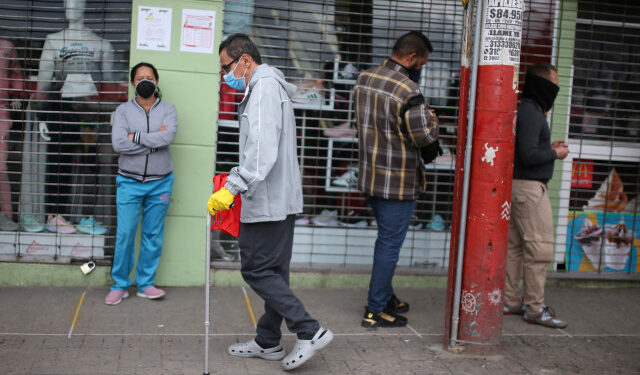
(190, 82)
(559, 120)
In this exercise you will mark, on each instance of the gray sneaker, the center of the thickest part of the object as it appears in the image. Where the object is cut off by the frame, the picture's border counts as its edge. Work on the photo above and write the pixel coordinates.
(6, 224)
(545, 317)
(518, 309)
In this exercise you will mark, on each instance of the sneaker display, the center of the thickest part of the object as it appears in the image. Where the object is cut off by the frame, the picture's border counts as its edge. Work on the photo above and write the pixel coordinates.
(6, 224)
(437, 223)
(29, 223)
(395, 306)
(358, 224)
(302, 221)
(57, 224)
(89, 225)
(347, 179)
(310, 96)
(545, 317)
(115, 297)
(352, 220)
(251, 349)
(152, 292)
(326, 218)
(382, 319)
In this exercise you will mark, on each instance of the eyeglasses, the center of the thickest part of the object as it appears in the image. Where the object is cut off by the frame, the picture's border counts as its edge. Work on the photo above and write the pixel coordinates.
(225, 68)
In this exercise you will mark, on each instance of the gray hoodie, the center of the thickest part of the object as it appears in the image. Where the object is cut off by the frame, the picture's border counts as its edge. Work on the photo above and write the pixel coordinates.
(268, 176)
(147, 156)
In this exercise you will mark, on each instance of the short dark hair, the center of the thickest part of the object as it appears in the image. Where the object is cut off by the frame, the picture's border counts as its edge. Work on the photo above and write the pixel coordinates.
(134, 70)
(542, 70)
(413, 41)
(239, 44)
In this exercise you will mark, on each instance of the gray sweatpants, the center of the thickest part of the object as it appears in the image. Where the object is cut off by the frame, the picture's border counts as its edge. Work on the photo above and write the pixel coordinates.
(265, 254)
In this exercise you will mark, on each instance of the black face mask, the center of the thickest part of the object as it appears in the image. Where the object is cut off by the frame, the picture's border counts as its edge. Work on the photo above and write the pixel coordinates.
(541, 90)
(145, 88)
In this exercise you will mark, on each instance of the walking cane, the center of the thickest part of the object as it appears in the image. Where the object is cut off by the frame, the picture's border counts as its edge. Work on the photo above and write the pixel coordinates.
(207, 261)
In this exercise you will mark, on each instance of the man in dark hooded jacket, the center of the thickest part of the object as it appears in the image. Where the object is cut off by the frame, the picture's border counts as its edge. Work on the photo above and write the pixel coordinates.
(531, 225)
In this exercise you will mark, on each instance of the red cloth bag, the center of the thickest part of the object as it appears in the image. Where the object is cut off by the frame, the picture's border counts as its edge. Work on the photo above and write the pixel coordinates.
(228, 221)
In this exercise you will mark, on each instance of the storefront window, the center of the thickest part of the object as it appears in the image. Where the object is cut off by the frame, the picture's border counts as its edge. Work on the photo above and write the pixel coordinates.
(63, 71)
(606, 83)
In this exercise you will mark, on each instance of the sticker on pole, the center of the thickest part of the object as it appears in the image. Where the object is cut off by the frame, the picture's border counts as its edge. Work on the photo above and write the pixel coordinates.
(502, 32)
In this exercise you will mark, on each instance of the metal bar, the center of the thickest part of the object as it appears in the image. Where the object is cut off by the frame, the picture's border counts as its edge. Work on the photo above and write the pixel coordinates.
(467, 164)
(207, 263)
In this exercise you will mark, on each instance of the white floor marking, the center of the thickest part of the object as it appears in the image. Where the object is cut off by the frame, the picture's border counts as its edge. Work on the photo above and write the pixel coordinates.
(414, 331)
(582, 335)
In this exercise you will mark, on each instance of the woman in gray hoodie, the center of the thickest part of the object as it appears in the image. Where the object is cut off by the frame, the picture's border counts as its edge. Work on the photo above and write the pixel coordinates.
(142, 130)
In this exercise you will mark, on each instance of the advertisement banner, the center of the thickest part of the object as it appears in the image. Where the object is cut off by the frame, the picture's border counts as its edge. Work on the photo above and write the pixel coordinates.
(599, 241)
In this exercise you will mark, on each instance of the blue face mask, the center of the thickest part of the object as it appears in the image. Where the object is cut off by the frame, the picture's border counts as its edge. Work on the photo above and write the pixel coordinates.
(233, 82)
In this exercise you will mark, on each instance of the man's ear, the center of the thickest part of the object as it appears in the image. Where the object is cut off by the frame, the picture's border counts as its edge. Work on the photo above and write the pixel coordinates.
(245, 57)
(411, 58)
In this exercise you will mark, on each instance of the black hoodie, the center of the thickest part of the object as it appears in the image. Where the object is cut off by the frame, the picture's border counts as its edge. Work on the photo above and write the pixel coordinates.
(533, 159)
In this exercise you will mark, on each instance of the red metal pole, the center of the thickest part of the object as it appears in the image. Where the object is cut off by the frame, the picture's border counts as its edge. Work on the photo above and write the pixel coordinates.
(489, 203)
(463, 108)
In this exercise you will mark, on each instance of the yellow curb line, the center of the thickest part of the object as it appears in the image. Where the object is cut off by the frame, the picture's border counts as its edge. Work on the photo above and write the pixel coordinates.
(75, 316)
(246, 298)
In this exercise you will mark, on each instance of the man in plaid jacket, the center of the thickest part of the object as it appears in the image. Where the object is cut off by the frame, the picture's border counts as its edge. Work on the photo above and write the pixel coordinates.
(394, 123)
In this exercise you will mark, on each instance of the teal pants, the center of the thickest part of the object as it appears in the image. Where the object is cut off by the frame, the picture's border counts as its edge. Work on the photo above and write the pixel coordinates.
(153, 199)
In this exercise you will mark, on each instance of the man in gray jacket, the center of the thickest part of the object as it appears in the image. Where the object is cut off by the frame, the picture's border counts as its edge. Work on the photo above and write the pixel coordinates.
(268, 178)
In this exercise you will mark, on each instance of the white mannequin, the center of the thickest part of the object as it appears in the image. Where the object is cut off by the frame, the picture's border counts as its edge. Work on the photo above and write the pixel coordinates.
(73, 63)
(70, 58)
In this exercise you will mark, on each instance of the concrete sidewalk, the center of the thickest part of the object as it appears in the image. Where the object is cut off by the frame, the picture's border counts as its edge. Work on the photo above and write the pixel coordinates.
(167, 337)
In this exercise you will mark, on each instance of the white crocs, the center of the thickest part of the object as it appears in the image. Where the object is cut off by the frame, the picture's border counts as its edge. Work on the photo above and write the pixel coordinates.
(251, 349)
(303, 350)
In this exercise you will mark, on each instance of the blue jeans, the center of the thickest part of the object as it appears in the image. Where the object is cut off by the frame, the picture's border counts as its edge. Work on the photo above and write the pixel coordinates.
(393, 218)
(153, 198)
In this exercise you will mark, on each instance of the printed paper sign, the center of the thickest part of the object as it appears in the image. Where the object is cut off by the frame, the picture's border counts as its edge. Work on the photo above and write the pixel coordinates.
(154, 28)
(197, 30)
(502, 32)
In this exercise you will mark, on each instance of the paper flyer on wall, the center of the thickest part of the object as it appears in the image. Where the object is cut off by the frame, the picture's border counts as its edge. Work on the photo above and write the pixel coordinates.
(198, 27)
(154, 28)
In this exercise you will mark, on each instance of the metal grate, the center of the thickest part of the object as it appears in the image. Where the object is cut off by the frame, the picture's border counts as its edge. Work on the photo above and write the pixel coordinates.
(322, 45)
(61, 79)
(599, 222)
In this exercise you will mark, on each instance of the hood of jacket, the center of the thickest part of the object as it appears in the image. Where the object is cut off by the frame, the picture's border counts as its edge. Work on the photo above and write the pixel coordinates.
(264, 70)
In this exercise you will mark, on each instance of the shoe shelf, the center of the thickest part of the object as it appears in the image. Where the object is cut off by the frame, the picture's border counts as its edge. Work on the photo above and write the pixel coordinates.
(47, 245)
(328, 186)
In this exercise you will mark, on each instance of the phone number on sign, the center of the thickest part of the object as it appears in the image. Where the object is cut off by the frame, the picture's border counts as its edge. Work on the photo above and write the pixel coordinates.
(504, 43)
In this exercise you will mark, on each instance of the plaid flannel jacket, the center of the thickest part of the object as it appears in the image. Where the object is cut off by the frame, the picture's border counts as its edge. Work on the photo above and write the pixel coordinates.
(394, 123)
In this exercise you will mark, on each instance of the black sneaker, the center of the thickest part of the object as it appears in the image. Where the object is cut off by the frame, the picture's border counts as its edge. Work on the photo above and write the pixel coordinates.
(395, 306)
(382, 319)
